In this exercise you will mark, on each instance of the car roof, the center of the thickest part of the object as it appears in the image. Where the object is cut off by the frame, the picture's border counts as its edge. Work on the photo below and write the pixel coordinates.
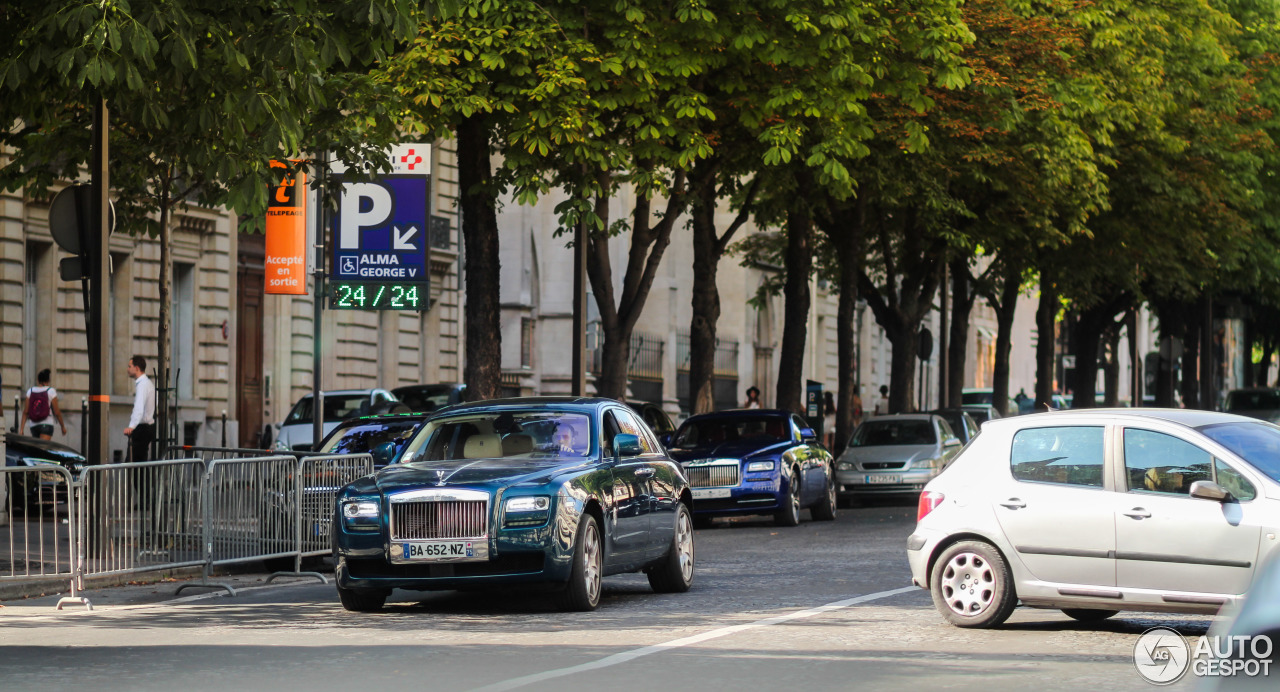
(438, 385)
(346, 392)
(376, 417)
(528, 401)
(901, 416)
(736, 412)
(1191, 418)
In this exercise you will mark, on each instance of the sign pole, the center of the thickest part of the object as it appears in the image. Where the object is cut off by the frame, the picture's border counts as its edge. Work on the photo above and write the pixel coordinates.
(99, 270)
(317, 396)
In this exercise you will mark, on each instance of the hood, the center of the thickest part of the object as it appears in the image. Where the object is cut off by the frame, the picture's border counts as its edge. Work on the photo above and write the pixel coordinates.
(735, 449)
(471, 472)
(42, 449)
(908, 453)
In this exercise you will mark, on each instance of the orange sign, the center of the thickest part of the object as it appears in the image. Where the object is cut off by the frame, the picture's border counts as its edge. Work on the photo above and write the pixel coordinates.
(286, 262)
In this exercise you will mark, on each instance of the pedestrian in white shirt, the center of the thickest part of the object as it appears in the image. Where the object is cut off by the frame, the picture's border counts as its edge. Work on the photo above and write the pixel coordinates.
(142, 422)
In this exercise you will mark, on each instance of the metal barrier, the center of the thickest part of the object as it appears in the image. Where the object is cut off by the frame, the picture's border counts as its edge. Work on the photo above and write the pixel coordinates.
(208, 454)
(35, 541)
(155, 515)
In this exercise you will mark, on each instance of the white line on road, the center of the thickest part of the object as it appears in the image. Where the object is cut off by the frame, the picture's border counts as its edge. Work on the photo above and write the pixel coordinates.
(625, 656)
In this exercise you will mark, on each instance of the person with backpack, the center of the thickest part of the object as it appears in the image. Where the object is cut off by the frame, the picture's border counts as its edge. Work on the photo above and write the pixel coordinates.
(40, 402)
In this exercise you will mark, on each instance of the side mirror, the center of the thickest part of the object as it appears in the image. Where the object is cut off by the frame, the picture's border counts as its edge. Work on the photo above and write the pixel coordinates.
(625, 445)
(383, 453)
(808, 435)
(665, 439)
(952, 442)
(1208, 490)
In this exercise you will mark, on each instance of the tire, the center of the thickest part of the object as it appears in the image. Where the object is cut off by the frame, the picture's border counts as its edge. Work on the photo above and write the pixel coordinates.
(1088, 614)
(362, 601)
(582, 593)
(972, 585)
(825, 510)
(675, 573)
(789, 515)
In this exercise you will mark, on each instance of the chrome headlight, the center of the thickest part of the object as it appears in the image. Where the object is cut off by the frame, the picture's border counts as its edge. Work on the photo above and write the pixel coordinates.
(361, 514)
(756, 466)
(525, 512)
(844, 466)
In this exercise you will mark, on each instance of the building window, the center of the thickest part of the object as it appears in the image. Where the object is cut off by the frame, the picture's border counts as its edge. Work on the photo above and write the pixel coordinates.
(526, 342)
(182, 330)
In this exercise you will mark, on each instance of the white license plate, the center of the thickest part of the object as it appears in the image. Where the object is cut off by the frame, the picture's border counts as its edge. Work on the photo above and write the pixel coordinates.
(321, 529)
(710, 493)
(883, 478)
(440, 551)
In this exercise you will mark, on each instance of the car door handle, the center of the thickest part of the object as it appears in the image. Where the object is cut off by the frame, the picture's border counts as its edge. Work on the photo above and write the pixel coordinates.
(1013, 503)
(1138, 513)
(644, 471)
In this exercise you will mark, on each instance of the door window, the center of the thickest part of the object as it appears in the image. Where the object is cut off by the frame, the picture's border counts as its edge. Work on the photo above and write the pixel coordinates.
(1158, 463)
(1233, 482)
(609, 432)
(1064, 455)
(629, 425)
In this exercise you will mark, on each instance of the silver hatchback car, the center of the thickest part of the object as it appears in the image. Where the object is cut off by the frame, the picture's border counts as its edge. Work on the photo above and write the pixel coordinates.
(895, 454)
(1094, 512)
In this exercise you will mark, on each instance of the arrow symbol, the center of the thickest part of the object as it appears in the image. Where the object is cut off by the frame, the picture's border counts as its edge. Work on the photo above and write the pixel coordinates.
(401, 242)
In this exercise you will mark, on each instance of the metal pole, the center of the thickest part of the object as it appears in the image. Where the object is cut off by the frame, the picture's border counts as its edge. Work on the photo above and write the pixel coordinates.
(317, 396)
(99, 272)
(944, 355)
(84, 424)
(17, 407)
(580, 309)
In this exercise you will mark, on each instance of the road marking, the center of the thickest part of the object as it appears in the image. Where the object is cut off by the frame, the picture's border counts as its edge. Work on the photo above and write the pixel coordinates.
(626, 656)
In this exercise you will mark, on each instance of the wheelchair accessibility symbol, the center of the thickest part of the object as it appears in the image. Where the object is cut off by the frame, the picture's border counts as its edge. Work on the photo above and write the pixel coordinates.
(349, 265)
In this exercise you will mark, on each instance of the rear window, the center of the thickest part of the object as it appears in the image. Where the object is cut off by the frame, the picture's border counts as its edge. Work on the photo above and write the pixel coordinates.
(1065, 455)
(336, 407)
(898, 432)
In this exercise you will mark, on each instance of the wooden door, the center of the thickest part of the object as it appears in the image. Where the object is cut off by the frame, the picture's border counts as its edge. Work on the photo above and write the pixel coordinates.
(249, 386)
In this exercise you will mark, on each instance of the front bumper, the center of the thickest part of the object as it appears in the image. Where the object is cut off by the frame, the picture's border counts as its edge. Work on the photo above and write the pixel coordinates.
(758, 493)
(883, 482)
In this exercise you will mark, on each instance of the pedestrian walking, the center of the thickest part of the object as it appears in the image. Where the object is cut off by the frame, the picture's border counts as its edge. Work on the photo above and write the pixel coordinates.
(829, 419)
(882, 406)
(41, 402)
(141, 430)
(857, 410)
(753, 398)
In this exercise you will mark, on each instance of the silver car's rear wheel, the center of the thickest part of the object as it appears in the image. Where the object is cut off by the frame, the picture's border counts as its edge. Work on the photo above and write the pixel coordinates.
(972, 585)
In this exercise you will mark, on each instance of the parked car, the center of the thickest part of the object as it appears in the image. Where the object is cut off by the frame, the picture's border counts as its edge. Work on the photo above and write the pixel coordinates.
(755, 462)
(295, 430)
(981, 413)
(981, 396)
(384, 437)
(555, 491)
(894, 455)
(1262, 403)
(657, 420)
(425, 398)
(1095, 512)
(33, 452)
(961, 423)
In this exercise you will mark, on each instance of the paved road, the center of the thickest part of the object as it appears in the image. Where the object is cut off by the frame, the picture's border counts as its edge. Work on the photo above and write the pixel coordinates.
(822, 606)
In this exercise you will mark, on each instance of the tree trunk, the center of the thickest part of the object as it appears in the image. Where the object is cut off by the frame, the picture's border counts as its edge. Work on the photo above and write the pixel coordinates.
(1046, 322)
(1085, 376)
(962, 297)
(706, 302)
(164, 330)
(1191, 365)
(1111, 371)
(795, 322)
(615, 357)
(905, 342)
(482, 370)
(1005, 312)
(847, 240)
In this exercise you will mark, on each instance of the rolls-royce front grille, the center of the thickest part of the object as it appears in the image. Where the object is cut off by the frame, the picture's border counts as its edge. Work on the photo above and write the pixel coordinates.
(882, 465)
(445, 519)
(714, 476)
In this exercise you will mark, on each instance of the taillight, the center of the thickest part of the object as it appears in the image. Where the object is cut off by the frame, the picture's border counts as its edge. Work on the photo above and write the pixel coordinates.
(929, 501)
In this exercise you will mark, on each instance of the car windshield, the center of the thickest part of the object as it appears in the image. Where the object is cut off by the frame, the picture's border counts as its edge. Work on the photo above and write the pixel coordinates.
(893, 432)
(975, 398)
(979, 415)
(382, 439)
(490, 435)
(425, 399)
(336, 407)
(1253, 400)
(1257, 443)
(712, 431)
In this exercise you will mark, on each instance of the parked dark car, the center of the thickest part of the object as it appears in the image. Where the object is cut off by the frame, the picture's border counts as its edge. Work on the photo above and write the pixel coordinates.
(1262, 403)
(657, 420)
(961, 422)
(755, 462)
(556, 491)
(425, 398)
(384, 437)
(31, 452)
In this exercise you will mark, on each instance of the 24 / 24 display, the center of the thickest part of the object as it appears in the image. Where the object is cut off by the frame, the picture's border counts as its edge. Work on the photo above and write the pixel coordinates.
(344, 295)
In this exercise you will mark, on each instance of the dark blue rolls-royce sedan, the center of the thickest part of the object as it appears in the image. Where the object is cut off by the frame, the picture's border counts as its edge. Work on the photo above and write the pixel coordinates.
(753, 461)
(555, 491)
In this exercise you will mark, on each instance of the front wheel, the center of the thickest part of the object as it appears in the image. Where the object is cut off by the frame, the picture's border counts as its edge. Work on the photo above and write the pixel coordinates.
(789, 513)
(675, 573)
(972, 585)
(825, 510)
(362, 601)
(582, 593)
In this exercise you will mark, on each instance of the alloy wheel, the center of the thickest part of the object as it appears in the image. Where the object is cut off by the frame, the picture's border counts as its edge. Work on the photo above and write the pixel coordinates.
(684, 544)
(591, 563)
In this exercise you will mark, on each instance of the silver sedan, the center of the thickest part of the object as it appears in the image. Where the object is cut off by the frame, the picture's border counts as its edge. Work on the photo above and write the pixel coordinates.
(895, 454)
(1098, 511)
